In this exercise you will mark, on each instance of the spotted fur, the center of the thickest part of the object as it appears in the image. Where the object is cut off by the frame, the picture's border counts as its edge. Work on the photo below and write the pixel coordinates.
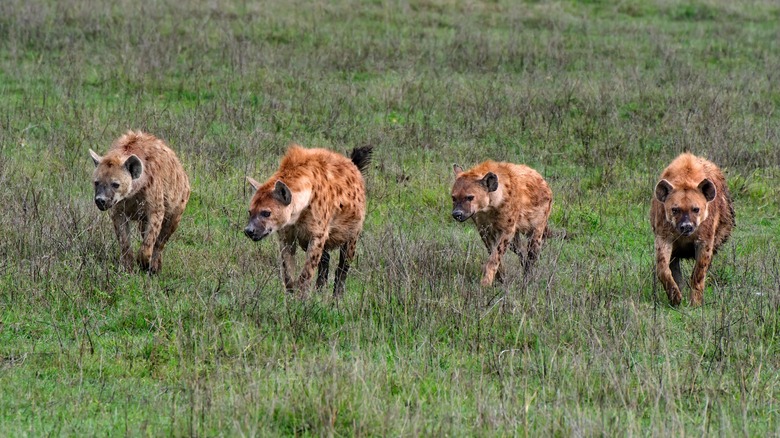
(692, 216)
(316, 200)
(141, 179)
(506, 201)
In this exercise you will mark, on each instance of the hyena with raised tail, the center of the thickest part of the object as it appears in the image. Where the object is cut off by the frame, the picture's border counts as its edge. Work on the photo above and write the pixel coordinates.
(316, 200)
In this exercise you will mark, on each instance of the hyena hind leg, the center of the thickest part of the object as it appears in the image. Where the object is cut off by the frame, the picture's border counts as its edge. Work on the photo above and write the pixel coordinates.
(169, 226)
(534, 248)
(674, 266)
(152, 227)
(516, 245)
(322, 270)
(346, 254)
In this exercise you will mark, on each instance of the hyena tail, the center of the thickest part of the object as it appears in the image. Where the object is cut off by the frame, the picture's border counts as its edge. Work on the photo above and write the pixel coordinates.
(361, 157)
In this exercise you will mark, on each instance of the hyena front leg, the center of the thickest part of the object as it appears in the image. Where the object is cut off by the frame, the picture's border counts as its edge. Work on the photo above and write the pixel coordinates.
(703, 259)
(287, 250)
(489, 235)
(346, 254)
(494, 260)
(322, 270)
(122, 229)
(151, 232)
(663, 254)
(313, 255)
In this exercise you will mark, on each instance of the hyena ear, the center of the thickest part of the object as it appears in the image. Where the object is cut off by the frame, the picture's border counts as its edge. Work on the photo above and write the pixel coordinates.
(252, 182)
(662, 190)
(134, 165)
(458, 170)
(708, 188)
(282, 193)
(490, 181)
(95, 157)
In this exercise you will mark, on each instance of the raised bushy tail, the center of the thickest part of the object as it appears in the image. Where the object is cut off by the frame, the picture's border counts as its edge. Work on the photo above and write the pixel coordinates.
(361, 157)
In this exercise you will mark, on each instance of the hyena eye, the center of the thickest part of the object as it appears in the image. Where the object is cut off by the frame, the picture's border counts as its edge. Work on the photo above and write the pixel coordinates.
(675, 210)
(265, 213)
(115, 185)
(695, 209)
(470, 198)
(96, 183)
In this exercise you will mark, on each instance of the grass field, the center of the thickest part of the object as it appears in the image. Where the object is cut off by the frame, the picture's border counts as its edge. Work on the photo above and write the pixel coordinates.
(597, 95)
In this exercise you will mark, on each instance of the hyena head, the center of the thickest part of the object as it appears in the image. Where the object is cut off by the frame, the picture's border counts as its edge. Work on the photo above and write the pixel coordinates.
(685, 209)
(114, 178)
(269, 209)
(470, 195)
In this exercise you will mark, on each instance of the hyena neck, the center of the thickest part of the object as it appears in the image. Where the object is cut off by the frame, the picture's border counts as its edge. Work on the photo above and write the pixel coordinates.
(137, 186)
(300, 202)
(496, 197)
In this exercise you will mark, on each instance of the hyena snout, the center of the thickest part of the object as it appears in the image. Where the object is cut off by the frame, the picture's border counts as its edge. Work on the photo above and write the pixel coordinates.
(103, 203)
(686, 228)
(459, 215)
(256, 233)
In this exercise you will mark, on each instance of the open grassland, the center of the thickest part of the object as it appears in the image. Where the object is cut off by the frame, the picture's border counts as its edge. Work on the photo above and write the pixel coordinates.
(597, 95)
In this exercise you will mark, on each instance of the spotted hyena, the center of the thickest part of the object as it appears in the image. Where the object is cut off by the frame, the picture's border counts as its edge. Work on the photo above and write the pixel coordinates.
(141, 179)
(506, 201)
(317, 199)
(692, 216)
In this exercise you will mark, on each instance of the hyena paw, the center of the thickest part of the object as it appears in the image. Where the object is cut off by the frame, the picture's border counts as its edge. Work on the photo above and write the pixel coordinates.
(146, 264)
(154, 268)
(128, 265)
(301, 295)
(303, 284)
(675, 299)
(127, 262)
(156, 264)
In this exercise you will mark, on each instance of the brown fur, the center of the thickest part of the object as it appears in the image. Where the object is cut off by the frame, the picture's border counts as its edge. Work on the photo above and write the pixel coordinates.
(141, 179)
(692, 215)
(317, 199)
(506, 201)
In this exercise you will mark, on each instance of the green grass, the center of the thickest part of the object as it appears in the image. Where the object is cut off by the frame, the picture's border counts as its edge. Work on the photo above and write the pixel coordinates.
(598, 96)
